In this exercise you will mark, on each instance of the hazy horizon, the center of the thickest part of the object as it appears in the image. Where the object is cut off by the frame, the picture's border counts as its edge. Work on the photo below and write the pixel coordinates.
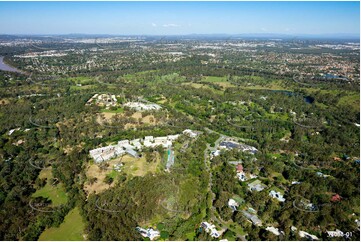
(180, 18)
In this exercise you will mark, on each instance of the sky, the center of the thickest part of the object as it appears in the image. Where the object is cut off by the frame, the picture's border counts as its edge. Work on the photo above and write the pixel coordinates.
(179, 18)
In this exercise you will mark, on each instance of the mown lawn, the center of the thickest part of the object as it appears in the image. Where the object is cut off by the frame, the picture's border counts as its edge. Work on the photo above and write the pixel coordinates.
(71, 229)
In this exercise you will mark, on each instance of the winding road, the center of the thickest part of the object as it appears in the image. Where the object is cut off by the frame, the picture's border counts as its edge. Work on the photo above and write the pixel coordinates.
(207, 164)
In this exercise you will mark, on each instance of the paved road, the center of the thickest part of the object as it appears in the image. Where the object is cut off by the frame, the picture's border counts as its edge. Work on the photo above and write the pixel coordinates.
(207, 164)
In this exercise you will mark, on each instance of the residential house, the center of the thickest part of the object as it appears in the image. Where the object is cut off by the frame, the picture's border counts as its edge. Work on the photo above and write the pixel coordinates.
(336, 198)
(256, 185)
(148, 233)
(233, 204)
(239, 168)
(304, 234)
(253, 218)
(215, 153)
(274, 230)
(277, 195)
(211, 229)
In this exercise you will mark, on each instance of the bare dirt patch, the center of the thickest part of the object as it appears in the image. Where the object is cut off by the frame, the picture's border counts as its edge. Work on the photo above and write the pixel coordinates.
(137, 116)
(212, 118)
(150, 119)
(4, 101)
(225, 85)
(99, 185)
(106, 116)
(139, 166)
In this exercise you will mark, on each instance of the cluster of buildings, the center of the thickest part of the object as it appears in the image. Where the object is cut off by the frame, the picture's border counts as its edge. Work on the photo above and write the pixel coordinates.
(242, 176)
(11, 131)
(253, 57)
(47, 53)
(131, 147)
(229, 144)
(148, 233)
(210, 229)
(104, 100)
(139, 106)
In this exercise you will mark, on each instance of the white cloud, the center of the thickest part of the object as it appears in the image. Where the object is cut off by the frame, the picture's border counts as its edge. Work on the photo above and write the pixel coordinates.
(264, 29)
(154, 25)
(171, 25)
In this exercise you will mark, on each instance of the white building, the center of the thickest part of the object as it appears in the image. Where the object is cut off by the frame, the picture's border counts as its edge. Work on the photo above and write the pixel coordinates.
(211, 229)
(13, 130)
(149, 233)
(241, 176)
(161, 141)
(136, 144)
(190, 133)
(123, 142)
(130, 147)
(277, 195)
(233, 204)
(138, 106)
(304, 234)
(173, 137)
(215, 153)
(274, 230)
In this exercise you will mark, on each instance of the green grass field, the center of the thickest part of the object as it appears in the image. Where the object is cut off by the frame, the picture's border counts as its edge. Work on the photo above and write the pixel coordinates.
(56, 193)
(118, 110)
(214, 79)
(76, 88)
(71, 229)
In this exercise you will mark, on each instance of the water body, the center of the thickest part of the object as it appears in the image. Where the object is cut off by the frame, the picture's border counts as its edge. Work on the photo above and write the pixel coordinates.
(5, 67)
(329, 76)
(307, 99)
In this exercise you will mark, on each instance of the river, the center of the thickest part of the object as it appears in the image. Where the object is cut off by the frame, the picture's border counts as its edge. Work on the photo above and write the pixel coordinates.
(5, 67)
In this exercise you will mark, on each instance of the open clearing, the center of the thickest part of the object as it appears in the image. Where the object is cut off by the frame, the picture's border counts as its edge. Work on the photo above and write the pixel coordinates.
(118, 110)
(4, 101)
(71, 229)
(138, 167)
(132, 166)
(149, 119)
(99, 185)
(56, 194)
